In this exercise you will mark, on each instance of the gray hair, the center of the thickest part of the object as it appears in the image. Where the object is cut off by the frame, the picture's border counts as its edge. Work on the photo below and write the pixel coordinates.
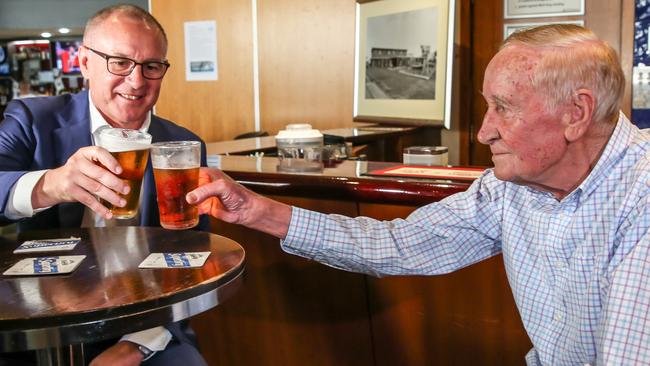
(573, 57)
(130, 11)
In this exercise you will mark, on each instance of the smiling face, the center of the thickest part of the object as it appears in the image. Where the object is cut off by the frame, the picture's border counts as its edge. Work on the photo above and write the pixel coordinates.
(123, 101)
(527, 142)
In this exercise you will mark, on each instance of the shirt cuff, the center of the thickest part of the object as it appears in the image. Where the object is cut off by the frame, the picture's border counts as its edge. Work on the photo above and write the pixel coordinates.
(304, 231)
(19, 204)
(155, 339)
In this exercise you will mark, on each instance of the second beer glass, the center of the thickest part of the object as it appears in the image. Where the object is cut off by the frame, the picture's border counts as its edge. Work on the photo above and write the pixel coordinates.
(176, 172)
(131, 149)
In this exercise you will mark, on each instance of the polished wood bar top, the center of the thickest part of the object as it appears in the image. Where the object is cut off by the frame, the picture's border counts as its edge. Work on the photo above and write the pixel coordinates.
(108, 295)
(346, 180)
(362, 134)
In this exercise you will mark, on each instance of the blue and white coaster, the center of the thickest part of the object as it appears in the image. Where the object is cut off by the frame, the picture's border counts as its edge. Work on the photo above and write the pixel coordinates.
(47, 245)
(45, 265)
(175, 260)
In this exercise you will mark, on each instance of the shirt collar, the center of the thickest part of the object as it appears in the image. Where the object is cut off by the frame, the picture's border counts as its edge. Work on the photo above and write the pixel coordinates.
(97, 120)
(621, 139)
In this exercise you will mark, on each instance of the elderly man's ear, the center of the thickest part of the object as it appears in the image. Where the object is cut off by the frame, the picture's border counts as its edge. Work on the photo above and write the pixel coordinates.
(580, 115)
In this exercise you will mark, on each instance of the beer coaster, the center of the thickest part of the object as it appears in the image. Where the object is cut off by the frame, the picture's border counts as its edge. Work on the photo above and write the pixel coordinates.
(175, 260)
(45, 265)
(47, 245)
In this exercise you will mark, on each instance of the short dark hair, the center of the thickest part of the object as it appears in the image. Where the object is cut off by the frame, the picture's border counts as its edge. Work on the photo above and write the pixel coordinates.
(131, 11)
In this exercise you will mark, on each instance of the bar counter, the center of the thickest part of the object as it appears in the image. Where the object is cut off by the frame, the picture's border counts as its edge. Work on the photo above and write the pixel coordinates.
(384, 143)
(292, 311)
(344, 180)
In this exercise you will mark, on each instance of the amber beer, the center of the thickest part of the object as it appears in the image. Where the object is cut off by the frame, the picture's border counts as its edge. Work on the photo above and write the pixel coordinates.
(133, 164)
(131, 149)
(176, 172)
(172, 185)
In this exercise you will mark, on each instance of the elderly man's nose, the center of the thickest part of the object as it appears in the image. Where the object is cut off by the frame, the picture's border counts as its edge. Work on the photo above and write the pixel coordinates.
(487, 133)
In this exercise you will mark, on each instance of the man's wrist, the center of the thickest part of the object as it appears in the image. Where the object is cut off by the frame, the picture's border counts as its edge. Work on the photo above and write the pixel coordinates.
(19, 203)
(40, 196)
(273, 217)
(145, 352)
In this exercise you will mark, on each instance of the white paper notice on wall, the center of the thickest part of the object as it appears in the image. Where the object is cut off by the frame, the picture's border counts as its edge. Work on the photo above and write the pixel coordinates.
(201, 50)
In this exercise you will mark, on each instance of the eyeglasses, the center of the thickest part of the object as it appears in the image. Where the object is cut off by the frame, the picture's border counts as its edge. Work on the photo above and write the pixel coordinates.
(123, 66)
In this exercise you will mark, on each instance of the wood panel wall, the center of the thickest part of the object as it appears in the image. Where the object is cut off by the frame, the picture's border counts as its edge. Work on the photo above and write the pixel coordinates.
(214, 110)
(306, 62)
(306, 66)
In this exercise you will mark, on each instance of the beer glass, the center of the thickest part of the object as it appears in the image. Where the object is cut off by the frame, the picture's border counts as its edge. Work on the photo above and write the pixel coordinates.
(131, 149)
(176, 172)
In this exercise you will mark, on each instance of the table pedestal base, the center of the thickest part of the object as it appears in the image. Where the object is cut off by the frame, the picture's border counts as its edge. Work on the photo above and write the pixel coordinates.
(72, 355)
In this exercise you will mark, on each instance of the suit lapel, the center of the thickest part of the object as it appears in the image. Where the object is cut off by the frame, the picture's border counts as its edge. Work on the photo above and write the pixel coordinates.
(73, 134)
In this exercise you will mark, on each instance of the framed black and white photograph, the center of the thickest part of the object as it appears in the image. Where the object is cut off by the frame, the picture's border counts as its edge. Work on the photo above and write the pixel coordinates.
(403, 61)
(509, 29)
(542, 8)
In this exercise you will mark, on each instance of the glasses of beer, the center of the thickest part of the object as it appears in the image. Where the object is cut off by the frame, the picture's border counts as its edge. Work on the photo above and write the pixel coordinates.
(131, 149)
(176, 172)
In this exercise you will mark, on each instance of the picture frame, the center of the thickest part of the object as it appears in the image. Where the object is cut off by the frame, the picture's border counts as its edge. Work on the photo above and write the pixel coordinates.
(404, 62)
(514, 9)
(510, 28)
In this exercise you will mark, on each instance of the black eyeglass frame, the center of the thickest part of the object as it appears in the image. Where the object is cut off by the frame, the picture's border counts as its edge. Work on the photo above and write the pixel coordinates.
(135, 63)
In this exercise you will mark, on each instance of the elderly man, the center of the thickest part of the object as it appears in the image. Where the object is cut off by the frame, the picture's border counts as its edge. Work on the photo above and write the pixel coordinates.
(48, 161)
(566, 203)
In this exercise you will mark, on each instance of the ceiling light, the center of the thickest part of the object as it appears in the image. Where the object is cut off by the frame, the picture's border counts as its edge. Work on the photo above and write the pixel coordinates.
(46, 34)
(19, 43)
(64, 30)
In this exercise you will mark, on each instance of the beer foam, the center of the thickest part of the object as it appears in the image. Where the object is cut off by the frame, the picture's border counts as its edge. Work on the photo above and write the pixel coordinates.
(119, 146)
(118, 140)
(176, 155)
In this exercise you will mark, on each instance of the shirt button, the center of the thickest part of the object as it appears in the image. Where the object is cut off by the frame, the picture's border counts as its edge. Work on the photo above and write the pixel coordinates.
(559, 264)
(559, 316)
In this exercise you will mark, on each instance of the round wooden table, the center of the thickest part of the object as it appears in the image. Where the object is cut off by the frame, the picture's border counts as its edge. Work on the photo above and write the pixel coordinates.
(108, 295)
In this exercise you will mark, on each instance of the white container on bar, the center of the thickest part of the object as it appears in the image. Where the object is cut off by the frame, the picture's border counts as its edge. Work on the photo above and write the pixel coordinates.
(300, 149)
(426, 155)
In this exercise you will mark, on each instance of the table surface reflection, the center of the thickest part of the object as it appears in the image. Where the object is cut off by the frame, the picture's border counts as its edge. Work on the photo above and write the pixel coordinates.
(108, 295)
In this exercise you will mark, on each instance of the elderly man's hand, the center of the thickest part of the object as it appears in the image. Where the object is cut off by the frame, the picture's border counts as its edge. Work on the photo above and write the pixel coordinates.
(81, 179)
(121, 354)
(220, 196)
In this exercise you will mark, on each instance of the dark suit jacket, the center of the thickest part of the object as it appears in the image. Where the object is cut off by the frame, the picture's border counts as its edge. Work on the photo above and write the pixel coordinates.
(42, 133)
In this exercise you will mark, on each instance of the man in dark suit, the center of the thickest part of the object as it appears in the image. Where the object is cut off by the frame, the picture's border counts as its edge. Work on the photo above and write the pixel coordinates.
(48, 171)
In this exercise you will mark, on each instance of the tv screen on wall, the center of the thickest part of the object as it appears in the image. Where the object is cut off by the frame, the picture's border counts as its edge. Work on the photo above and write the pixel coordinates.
(4, 60)
(67, 56)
